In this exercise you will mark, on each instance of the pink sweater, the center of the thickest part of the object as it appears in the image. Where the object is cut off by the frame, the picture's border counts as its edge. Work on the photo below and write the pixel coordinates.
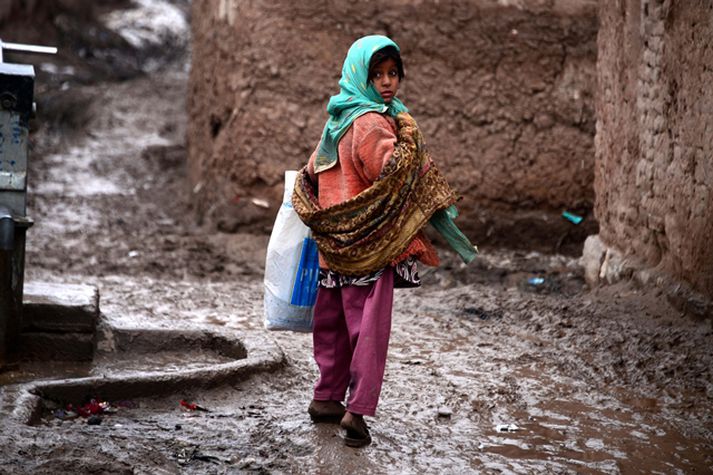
(363, 150)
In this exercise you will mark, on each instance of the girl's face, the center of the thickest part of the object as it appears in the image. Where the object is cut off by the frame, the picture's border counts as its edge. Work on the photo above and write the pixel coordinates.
(385, 77)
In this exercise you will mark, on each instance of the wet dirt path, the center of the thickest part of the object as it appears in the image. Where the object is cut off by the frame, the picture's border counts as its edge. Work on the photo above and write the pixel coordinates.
(456, 370)
(610, 381)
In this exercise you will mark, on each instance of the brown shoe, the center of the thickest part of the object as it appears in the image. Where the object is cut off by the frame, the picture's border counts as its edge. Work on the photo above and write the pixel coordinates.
(357, 431)
(326, 411)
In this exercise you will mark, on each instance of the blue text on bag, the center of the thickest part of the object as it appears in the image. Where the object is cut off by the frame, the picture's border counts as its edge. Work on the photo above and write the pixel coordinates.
(304, 293)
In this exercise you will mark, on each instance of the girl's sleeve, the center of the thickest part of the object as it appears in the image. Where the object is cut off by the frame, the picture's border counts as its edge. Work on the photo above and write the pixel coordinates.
(373, 144)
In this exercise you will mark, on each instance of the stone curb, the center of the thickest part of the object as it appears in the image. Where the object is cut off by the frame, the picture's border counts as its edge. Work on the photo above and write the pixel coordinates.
(263, 354)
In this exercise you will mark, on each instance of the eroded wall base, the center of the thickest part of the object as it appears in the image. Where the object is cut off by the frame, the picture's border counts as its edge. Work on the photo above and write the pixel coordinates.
(606, 265)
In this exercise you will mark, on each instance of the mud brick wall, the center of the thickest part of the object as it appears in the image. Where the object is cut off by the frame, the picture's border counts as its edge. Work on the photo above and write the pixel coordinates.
(504, 95)
(654, 159)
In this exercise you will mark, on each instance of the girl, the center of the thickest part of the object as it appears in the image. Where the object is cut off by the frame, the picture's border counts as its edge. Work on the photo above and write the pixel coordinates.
(366, 192)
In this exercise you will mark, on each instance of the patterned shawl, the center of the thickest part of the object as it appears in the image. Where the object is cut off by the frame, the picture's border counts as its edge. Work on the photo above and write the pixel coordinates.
(370, 230)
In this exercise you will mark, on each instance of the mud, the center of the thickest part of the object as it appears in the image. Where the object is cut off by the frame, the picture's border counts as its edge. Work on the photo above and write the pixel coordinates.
(606, 381)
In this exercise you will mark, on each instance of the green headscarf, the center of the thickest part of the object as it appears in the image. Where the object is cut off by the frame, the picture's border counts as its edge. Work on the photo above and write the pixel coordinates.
(356, 97)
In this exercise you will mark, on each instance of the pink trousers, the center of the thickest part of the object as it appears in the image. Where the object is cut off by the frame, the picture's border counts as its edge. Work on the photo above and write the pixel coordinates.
(351, 333)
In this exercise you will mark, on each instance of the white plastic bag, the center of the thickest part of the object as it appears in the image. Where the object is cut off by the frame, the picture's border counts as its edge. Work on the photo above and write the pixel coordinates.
(291, 269)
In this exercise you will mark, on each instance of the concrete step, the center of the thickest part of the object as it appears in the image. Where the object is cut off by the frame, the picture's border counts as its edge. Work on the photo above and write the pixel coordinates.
(62, 308)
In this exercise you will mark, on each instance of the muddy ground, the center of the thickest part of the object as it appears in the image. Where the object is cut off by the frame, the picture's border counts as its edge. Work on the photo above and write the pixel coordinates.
(611, 380)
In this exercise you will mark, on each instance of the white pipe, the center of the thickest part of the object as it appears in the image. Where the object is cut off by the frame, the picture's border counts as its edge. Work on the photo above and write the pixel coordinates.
(28, 48)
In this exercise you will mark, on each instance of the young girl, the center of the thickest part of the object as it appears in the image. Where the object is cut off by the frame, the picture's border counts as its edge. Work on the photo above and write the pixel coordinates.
(366, 192)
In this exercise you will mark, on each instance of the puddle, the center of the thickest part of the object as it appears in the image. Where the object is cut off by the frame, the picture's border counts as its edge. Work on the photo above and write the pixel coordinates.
(576, 434)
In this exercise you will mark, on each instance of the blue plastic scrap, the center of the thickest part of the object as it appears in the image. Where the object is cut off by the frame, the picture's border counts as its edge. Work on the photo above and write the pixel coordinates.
(572, 217)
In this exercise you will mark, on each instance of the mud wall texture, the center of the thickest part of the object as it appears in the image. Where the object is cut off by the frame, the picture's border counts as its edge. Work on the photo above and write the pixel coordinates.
(503, 91)
(654, 153)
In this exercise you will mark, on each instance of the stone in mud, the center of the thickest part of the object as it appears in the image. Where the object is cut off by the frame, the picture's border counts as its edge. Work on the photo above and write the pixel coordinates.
(94, 420)
(445, 412)
(592, 258)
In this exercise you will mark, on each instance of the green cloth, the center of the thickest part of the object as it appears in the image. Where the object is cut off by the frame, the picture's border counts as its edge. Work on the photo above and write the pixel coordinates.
(442, 221)
(357, 96)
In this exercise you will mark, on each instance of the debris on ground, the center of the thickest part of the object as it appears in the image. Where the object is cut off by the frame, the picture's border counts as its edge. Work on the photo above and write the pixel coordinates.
(571, 217)
(192, 406)
(186, 455)
(91, 411)
(507, 428)
(94, 420)
(65, 415)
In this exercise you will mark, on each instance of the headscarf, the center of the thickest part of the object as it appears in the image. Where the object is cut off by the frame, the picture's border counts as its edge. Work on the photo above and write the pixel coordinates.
(356, 97)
